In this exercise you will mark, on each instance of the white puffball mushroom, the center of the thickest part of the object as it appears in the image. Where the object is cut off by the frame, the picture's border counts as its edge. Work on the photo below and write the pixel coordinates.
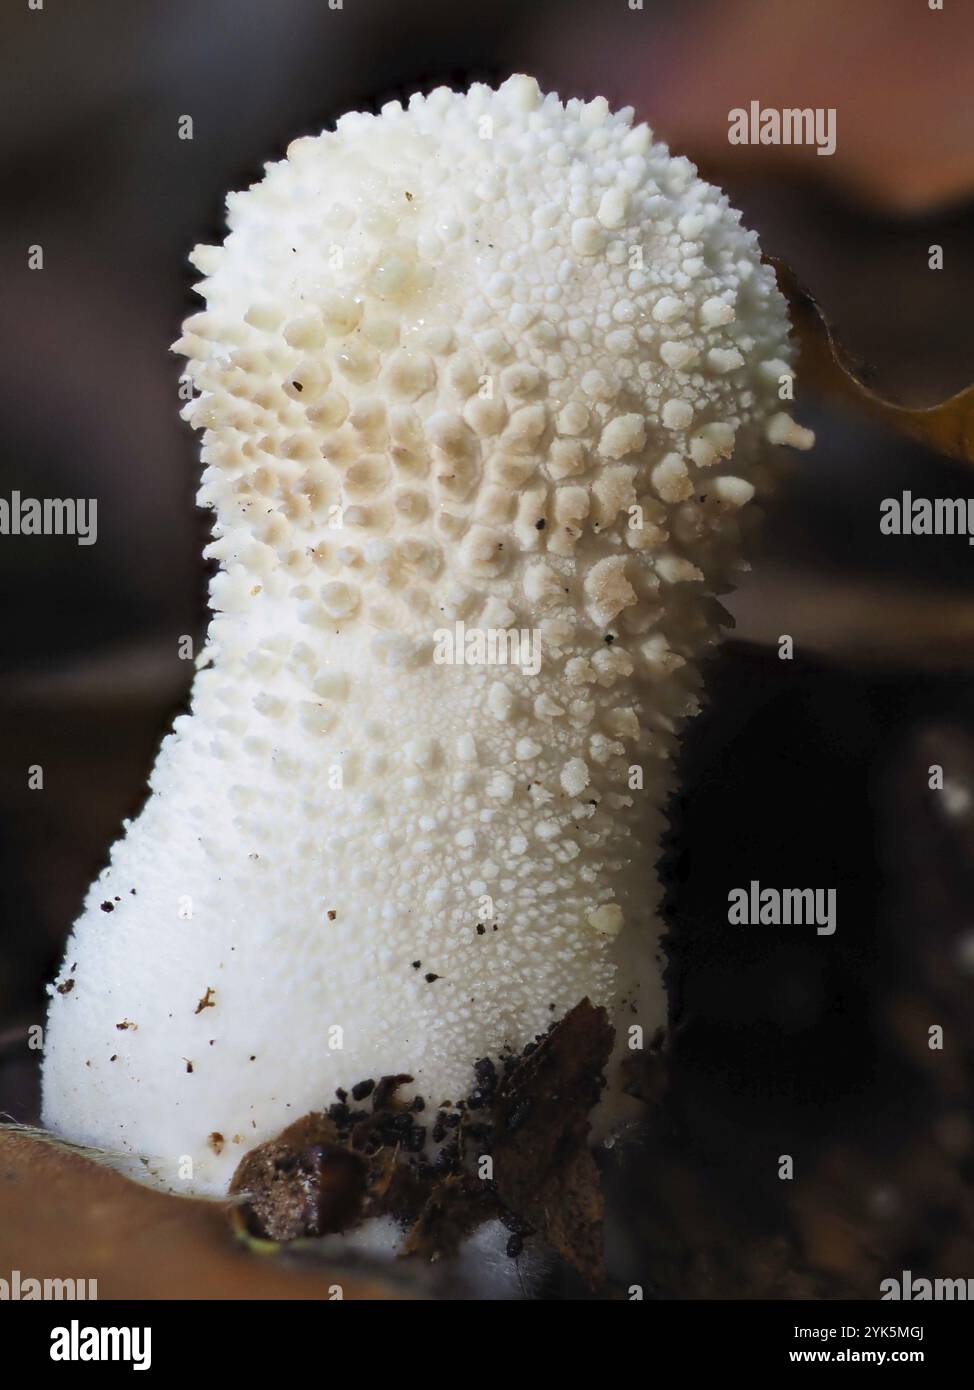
(445, 373)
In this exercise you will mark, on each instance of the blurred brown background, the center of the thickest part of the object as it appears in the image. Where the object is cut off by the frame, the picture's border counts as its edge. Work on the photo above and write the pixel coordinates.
(804, 772)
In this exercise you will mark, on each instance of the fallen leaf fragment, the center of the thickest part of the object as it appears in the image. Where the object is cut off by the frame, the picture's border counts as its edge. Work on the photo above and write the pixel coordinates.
(543, 1165)
(456, 1206)
(947, 427)
(63, 1215)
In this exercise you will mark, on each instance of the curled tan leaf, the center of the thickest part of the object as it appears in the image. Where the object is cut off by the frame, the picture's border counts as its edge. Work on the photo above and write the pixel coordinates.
(62, 1214)
(827, 365)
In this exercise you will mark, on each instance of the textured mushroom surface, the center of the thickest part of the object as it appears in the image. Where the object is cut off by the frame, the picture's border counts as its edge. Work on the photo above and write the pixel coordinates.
(490, 360)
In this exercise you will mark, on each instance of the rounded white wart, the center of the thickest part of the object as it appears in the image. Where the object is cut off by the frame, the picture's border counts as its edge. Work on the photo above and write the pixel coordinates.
(484, 384)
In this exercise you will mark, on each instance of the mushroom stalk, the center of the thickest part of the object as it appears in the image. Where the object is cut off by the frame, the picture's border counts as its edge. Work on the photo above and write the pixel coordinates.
(484, 384)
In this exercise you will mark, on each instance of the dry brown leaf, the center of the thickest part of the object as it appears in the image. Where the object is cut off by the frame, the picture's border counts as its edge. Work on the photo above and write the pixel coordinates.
(457, 1206)
(543, 1165)
(64, 1216)
(947, 426)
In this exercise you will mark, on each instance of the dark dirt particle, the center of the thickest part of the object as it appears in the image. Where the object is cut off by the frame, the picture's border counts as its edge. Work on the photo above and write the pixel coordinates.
(448, 1159)
(486, 1074)
(66, 987)
(478, 1132)
(385, 1091)
(362, 1089)
(511, 1221)
(518, 1115)
(430, 978)
(108, 907)
(340, 1114)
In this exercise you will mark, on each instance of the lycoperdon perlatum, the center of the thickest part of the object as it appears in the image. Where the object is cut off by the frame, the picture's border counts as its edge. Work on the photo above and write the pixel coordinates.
(486, 385)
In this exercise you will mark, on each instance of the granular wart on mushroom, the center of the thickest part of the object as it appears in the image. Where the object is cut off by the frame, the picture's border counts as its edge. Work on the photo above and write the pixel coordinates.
(491, 359)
